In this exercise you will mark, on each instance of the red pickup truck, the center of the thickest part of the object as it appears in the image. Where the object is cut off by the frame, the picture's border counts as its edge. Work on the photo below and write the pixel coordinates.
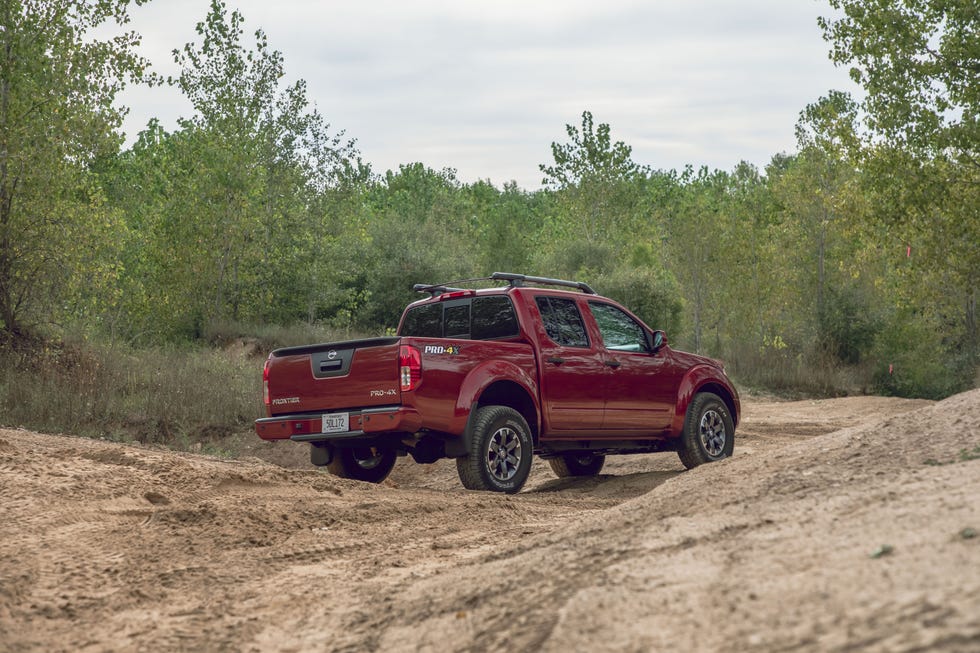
(490, 377)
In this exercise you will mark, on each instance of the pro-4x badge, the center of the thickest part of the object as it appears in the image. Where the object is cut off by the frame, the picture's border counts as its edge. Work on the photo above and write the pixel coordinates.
(450, 350)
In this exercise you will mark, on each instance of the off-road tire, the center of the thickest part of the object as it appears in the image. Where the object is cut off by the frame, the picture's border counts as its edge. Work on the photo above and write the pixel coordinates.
(571, 464)
(500, 451)
(709, 432)
(370, 464)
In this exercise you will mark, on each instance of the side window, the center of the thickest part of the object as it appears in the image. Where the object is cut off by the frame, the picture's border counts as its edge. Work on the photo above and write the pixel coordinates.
(493, 317)
(423, 321)
(562, 321)
(619, 331)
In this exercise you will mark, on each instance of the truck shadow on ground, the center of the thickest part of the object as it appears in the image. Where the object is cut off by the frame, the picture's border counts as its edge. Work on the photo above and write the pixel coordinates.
(607, 486)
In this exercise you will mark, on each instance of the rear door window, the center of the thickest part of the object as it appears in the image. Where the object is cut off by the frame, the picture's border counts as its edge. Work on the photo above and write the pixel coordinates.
(493, 317)
(562, 321)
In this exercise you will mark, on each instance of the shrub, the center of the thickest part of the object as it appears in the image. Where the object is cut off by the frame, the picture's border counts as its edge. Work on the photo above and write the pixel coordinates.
(170, 395)
(652, 296)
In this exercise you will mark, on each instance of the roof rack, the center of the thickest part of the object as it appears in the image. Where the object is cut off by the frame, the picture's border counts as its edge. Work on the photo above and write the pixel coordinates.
(518, 280)
(514, 280)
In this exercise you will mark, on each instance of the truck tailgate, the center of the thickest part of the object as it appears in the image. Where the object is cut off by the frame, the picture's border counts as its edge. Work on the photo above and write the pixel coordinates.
(341, 375)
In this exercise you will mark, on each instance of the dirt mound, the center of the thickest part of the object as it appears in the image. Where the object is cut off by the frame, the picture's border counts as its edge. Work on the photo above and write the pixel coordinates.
(857, 539)
(863, 537)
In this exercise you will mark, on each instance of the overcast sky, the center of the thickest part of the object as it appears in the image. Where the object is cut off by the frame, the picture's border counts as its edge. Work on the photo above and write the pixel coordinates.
(486, 87)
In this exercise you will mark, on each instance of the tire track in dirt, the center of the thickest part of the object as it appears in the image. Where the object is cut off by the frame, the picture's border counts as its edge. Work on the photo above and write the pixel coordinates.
(105, 546)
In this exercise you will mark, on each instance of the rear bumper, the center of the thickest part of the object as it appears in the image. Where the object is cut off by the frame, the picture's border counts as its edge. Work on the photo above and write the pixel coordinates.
(306, 427)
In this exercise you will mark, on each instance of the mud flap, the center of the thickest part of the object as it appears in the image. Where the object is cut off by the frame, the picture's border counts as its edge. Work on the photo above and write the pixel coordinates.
(428, 450)
(459, 447)
(321, 453)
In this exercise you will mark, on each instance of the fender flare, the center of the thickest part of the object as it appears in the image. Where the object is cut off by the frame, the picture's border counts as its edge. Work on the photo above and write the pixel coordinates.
(477, 381)
(694, 380)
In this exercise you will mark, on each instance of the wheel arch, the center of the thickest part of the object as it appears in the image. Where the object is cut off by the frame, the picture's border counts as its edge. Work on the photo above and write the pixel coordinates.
(513, 395)
(703, 379)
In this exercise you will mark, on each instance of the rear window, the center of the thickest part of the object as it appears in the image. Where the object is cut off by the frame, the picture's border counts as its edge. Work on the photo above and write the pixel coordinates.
(479, 318)
(457, 320)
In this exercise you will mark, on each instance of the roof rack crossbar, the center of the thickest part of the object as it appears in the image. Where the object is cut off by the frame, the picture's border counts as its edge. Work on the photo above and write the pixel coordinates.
(518, 280)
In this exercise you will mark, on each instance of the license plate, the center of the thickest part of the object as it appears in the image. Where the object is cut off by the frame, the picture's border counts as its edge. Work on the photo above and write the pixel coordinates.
(335, 423)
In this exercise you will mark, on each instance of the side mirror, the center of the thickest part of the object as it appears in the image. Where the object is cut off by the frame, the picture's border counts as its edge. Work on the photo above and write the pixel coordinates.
(659, 339)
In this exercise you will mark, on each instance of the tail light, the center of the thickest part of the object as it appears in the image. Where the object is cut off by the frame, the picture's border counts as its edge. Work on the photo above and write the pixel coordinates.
(265, 382)
(409, 366)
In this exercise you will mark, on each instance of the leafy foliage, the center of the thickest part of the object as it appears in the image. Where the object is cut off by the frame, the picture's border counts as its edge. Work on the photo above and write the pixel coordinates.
(849, 265)
(919, 64)
(57, 118)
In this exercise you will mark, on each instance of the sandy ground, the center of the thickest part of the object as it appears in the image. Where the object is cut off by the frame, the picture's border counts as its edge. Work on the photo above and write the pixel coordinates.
(839, 525)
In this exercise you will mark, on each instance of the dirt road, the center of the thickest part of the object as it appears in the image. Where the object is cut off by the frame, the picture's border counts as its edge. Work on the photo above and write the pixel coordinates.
(839, 525)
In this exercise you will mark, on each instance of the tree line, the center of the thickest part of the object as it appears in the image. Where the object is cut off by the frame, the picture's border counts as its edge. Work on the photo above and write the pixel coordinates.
(859, 252)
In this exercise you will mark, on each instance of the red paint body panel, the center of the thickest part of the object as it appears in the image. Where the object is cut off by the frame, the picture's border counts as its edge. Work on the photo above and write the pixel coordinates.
(589, 392)
(695, 380)
(518, 369)
(452, 382)
(571, 390)
(372, 379)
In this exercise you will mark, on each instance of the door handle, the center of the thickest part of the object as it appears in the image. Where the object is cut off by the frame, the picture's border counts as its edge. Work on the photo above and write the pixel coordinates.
(556, 360)
(612, 364)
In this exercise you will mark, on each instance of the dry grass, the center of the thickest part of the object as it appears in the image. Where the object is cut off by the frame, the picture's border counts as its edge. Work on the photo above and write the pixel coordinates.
(265, 338)
(169, 395)
(197, 397)
(798, 375)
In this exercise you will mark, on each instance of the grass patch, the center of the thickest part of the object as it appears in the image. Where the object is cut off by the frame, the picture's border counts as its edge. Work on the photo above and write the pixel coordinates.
(967, 454)
(176, 396)
(963, 456)
(261, 339)
(797, 376)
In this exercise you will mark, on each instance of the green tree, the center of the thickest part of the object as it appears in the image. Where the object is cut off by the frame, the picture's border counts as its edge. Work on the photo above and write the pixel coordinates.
(696, 228)
(751, 294)
(594, 179)
(509, 222)
(239, 227)
(826, 137)
(57, 119)
(420, 228)
(919, 64)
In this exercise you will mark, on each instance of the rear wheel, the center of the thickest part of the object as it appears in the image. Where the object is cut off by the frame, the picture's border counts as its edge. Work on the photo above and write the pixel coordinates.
(371, 464)
(709, 432)
(500, 451)
(572, 464)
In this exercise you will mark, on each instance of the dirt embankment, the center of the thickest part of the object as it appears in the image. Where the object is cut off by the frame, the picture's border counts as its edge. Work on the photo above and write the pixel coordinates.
(846, 524)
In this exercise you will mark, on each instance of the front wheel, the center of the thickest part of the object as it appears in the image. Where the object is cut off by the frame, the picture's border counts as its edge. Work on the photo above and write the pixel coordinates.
(500, 451)
(709, 432)
(370, 464)
(577, 464)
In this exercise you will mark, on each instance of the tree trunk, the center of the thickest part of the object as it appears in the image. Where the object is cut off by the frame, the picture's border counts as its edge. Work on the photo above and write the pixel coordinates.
(8, 309)
(972, 339)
